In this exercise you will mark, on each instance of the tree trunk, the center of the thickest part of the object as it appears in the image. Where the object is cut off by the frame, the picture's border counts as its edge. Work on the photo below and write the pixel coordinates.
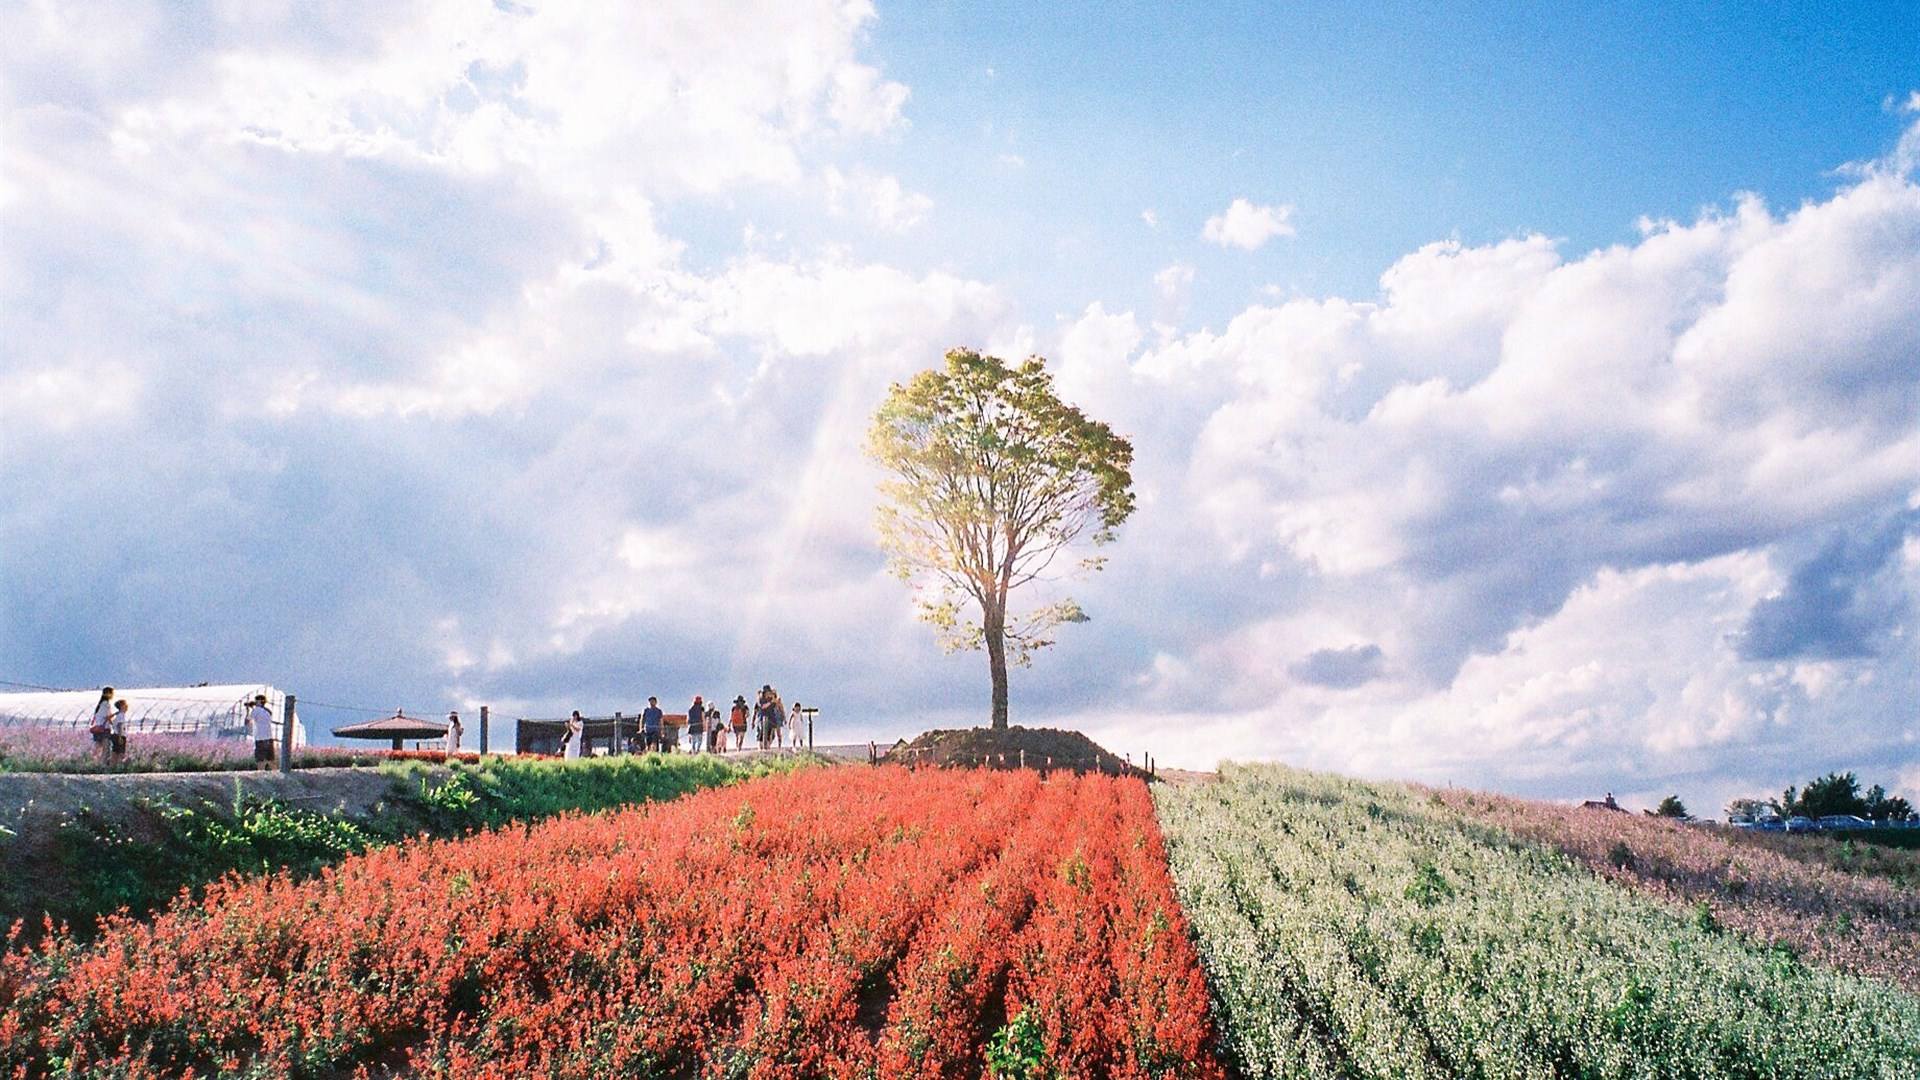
(996, 628)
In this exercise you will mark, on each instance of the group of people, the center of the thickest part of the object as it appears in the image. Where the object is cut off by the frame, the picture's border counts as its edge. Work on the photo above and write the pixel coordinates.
(703, 726)
(109, 729)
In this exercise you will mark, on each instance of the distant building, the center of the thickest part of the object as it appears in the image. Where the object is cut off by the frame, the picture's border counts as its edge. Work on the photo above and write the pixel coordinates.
(209, 712)
(1603, 804)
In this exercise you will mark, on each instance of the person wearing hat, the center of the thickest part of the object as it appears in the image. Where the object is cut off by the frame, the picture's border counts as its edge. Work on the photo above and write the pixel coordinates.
(102, 727)
(766, 716)
(738, 721)
(261, 718)
(454, 731)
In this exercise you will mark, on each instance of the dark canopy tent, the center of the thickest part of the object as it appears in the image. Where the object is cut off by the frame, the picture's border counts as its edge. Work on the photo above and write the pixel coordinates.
(397, 727)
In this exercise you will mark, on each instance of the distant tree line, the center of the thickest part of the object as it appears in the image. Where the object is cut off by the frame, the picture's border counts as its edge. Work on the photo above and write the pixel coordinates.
(1834, 793)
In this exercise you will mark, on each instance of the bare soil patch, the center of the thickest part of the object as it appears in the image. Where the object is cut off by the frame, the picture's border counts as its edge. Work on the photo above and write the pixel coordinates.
(1013, 748)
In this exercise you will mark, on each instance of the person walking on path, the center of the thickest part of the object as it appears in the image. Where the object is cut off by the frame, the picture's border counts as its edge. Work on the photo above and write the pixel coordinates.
(576, 734)
(793, 726)
(454, 731)
(118, 731)
(696, 724)
(777, 713)
(650, 721)
(738, 720)
(262, 720)
(716, 732)
(102, 727)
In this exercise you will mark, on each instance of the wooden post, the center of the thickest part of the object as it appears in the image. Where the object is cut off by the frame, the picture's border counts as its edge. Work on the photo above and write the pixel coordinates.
(483, 731)
(616, 732)
(286, 735)
(1023, 757)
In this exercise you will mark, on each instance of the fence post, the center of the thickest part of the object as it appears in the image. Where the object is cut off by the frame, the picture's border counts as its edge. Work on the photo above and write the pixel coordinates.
(483, 731)
(286, 735)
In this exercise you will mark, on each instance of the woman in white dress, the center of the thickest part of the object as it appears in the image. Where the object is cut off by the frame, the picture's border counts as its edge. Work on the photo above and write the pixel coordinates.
(454, 731)
(576, 734)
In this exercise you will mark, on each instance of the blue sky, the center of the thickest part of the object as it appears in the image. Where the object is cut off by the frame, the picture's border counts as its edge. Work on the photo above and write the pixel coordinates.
(1524, 398)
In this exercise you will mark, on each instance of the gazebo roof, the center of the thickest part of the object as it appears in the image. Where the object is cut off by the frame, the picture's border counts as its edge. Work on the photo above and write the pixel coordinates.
(397, 726)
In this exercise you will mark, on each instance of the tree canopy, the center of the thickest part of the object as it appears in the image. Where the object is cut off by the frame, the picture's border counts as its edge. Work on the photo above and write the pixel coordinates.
(993, 481)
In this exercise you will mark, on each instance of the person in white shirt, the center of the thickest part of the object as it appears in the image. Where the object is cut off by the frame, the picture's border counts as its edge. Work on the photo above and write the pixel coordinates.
(262, 719)
(576, 734)
(453, 733)
(118, 730)
(102, 727)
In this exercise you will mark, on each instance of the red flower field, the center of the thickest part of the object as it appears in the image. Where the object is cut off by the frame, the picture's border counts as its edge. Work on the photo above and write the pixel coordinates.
(835, 922)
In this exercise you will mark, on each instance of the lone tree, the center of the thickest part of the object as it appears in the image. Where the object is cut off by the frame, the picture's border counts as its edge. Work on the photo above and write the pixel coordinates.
(992, 479)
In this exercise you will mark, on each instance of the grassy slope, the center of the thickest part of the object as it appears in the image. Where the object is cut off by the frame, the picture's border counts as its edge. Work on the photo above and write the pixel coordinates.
(89, 866)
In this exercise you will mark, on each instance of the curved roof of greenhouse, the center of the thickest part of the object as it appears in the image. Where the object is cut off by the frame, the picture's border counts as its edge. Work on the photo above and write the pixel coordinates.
(151, 710)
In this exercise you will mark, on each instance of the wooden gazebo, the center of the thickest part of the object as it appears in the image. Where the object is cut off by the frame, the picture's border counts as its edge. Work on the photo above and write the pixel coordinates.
(398, 727)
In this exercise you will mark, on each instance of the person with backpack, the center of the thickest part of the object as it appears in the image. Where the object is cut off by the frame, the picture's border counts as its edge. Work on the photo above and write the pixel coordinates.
(261, 718)
(102, 727)
(650, 720)
(738, 720)
(696, 724)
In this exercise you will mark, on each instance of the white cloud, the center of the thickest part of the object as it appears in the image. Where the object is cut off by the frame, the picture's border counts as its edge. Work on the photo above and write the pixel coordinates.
(1247, 226)
(1150, 218)
(878, 198)
(439, 297)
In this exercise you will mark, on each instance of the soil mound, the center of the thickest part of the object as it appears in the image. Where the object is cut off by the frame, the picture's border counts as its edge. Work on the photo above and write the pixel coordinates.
(1033, 748)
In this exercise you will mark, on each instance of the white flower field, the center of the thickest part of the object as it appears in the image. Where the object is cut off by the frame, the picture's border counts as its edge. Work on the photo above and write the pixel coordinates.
(1352, 929)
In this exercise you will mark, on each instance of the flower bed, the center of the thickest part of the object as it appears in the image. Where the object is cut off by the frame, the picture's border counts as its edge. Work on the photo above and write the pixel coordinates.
(1368, 930)
(68, 750)
(1856, 922)
(833, 922)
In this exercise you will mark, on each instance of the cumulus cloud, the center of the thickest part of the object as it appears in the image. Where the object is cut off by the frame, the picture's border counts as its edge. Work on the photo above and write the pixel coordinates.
(1644, 511)
(879, 199)
(1342, 669)
(1247, 226)
(396, 359)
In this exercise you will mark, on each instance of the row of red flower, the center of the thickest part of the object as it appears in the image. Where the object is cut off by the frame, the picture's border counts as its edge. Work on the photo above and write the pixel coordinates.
(835, 922)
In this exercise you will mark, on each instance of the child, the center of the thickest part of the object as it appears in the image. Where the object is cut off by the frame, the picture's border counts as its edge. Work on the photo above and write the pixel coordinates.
(118, 731)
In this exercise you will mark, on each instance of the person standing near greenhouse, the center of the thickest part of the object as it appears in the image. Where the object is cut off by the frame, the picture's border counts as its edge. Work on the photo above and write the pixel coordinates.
(102, 727)
(117, 732)
(262, 719)
(696, 724)
(454, 731)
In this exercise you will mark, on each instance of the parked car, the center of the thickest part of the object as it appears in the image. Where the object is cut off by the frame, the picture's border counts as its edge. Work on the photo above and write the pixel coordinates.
(1797, 823)
(1843, 821)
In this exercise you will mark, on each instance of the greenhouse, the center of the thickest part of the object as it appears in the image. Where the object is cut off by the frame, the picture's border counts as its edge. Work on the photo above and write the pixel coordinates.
(214, 712)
